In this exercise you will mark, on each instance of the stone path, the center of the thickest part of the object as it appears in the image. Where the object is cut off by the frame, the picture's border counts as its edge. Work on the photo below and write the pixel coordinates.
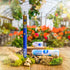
(64, 52)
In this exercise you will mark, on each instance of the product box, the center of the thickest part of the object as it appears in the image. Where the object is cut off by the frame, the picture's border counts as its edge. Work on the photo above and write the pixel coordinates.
(45, 52)
(37, 44)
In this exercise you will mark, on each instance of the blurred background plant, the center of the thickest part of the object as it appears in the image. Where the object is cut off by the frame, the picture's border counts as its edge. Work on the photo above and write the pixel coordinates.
(16, 9)
(4, 31)
(56, 17)
(57, 37)
(9, 26)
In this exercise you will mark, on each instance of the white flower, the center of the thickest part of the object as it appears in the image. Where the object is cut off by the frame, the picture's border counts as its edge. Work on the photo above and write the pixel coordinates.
(18, 37)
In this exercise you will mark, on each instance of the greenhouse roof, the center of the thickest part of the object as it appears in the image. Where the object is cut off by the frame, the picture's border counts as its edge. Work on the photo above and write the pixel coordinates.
(46, 8)
(6, 11)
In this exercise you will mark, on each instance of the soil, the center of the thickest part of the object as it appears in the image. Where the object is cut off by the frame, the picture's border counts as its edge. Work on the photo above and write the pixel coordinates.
(64, 52)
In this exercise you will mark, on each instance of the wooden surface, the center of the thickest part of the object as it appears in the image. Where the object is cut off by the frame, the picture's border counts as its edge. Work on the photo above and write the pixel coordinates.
(36, 47)
(64, 52)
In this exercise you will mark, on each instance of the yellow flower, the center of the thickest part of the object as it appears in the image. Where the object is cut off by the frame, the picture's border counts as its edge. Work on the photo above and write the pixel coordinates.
(61, 5)
(35, 17)
(68, 10)
(68, 15)
(43, 1)
(37, 7)
(38, 27)
(64, 12)
(64, 9)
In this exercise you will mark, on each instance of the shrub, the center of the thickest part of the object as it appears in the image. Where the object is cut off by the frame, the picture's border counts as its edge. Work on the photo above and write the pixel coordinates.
(16, 9)
(56, 61)
(32, 60)
(18, 42)
(54, 38)
(17, 63)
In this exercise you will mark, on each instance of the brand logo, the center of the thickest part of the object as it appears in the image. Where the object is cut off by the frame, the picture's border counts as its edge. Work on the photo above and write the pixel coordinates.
(39, 44)
(45, 51)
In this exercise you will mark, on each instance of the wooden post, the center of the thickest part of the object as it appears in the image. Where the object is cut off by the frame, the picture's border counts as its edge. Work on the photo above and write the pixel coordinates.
(1, 21)
(41, 18)
(9, 1)
(0, 0)
(45, 19)
(30, 21)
